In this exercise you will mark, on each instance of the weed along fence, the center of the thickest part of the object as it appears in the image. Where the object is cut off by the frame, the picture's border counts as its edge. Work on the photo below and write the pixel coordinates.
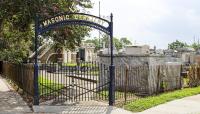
(21, 75)
(193, 77)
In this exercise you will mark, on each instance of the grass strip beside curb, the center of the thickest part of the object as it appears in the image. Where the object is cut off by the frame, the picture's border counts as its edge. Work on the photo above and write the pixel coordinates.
(149, 102)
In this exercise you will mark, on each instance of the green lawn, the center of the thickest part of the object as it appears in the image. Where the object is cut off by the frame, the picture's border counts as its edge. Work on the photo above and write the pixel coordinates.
(82, 65)
(71, 64)
(148, 102)
(92, 73)
(118, 94)
(49, 86)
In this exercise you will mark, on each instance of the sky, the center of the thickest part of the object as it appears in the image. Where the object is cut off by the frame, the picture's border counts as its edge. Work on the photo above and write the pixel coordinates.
(153, 22)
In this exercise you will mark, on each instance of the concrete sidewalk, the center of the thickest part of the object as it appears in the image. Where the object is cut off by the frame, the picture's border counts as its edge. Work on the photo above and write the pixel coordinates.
(82, 107)
(79, 110)
(10, 101)
(188, 105)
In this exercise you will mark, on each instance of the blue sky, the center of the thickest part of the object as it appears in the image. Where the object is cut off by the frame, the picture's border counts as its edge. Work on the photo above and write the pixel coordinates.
(153, 22)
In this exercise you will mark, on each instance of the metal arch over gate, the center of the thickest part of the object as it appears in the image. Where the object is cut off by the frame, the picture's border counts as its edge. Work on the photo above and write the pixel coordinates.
(74, 19)
(42, 26)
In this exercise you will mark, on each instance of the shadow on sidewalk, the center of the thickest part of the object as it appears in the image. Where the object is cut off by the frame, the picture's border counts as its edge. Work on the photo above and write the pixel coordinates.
(10, 101)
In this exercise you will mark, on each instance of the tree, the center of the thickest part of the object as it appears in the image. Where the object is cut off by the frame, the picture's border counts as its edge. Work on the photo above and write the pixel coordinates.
(15, 46)
(17, 18)
(118, 43)
(177, 44)
(22, 12)
(196, 46)
(125, 41)
(95, 41)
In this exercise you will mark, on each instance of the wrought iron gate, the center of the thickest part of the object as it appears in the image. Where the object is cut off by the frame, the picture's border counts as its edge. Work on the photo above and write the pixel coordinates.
(81, 19)
(71, 83)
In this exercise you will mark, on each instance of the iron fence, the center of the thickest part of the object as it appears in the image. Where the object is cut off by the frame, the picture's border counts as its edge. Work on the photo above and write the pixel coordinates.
(72, 82)
(59, 82)
(191, 76)
(1, 67)
(131, 82)
(21, 75)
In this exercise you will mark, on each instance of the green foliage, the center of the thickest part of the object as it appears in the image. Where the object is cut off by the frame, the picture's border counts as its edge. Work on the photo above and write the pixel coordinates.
(125, 41)
(119, 43)
(16, 46)
(186, 82)
(95, 41)
(17, 20)
(196, 46)
(177, 44)
(148, 102)
(47, 86)
(118, 94)
(82, 65)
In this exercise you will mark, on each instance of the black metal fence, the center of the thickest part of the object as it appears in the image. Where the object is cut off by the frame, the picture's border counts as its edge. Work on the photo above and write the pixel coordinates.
(72, 82)
(1, 67)
(131, 82)
(21, 75)
(90, 80)
(191, 76)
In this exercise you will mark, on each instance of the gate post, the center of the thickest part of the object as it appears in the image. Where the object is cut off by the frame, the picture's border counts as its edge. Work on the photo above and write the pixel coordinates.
(112, 67)
(36, 90)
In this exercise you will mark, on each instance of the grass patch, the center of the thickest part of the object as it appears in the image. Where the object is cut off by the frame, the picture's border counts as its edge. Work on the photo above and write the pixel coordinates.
(148, 102)
(92, 73)
(186, 82)
(118, 94)
(82, 65)
(71, 64)
(47, 86)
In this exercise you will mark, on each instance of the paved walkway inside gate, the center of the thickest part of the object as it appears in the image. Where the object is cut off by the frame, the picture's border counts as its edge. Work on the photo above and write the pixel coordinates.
(188, 105)
(10, 101)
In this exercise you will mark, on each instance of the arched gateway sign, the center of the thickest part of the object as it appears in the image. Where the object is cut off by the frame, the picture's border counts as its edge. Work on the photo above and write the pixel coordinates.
(75, 19)
(81, 19)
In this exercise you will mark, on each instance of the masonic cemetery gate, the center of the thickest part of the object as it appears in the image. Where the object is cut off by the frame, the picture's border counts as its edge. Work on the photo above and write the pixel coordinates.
(59, 83)
(65, 82)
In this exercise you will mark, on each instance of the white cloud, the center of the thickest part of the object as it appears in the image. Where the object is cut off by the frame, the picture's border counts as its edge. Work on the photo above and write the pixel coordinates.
(154, 22)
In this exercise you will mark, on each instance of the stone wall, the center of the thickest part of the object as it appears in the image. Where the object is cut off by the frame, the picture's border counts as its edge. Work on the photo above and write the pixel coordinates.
(164, 78)
(132, 79)
(137, 60)
(145, 74)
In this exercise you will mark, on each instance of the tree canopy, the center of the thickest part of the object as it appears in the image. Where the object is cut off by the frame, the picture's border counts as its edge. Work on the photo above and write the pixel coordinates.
(119, 43)
(177, 44)
(196, 46)
(17, 25)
